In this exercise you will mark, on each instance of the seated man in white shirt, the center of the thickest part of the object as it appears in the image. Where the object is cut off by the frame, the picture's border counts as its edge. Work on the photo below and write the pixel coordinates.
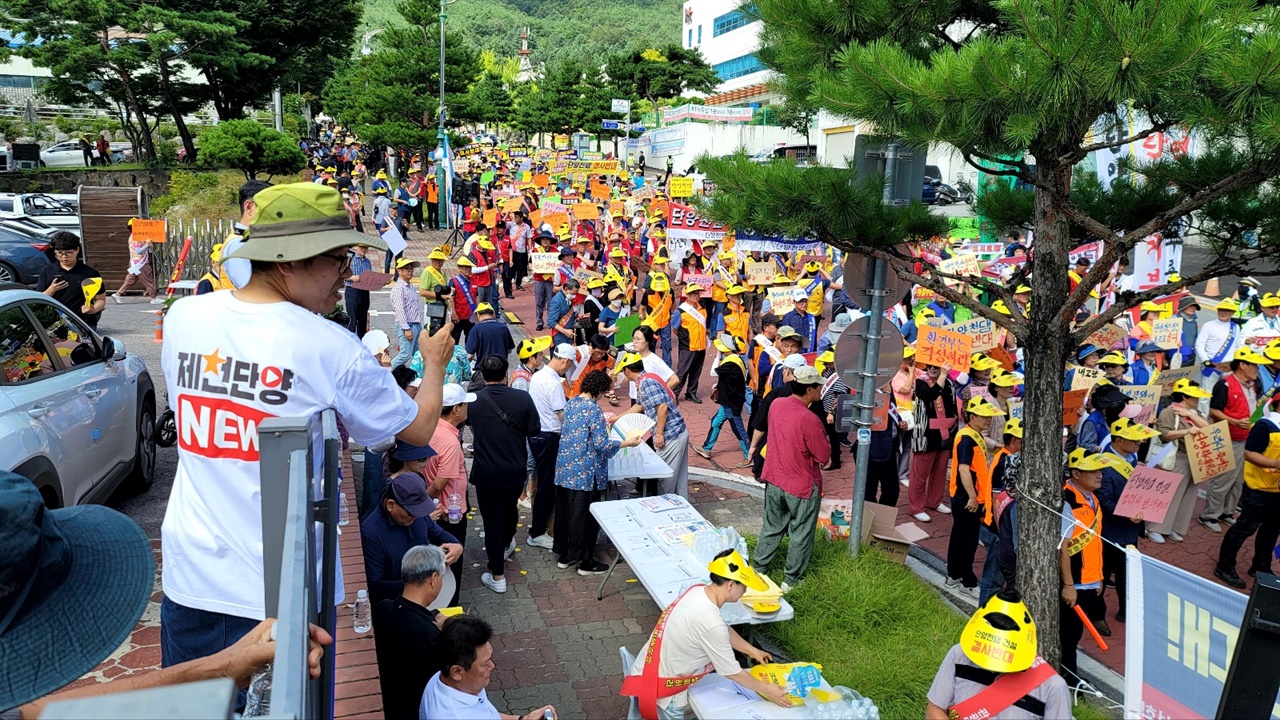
(457, 691)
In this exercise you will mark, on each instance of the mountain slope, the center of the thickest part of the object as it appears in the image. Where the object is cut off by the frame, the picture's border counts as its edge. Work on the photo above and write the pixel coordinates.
(585, 30)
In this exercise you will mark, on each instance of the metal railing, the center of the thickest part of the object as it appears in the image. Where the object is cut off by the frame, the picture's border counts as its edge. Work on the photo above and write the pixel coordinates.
(204, 234)
(299, 508)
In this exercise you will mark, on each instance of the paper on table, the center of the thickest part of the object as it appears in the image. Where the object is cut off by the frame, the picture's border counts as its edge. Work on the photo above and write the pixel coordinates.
(725, 696)
(663, 502)
(674, 534)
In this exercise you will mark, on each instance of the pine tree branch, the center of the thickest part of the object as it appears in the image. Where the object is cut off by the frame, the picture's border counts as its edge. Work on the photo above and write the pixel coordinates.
(1220, 266)
(971, 152)
(1158, 128)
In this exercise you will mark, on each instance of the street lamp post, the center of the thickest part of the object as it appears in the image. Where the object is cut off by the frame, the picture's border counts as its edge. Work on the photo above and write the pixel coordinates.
(442, 186)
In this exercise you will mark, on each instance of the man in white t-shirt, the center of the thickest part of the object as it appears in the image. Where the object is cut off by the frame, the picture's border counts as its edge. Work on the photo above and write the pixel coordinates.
(234, 359)
(547, 390)
(692, 639)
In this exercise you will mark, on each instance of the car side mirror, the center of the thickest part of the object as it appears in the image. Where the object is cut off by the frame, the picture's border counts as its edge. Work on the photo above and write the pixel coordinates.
(112, 349)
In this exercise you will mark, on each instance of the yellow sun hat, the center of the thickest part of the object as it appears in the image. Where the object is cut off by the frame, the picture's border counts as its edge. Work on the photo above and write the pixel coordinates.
(1001, 636)
(732, 566)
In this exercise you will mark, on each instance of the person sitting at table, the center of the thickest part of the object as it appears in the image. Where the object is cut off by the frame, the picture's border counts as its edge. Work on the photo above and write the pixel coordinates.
(582, 474)
(690, 635)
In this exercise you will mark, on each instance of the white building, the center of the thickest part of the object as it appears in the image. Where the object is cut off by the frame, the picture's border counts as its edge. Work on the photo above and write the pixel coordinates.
(728, 40)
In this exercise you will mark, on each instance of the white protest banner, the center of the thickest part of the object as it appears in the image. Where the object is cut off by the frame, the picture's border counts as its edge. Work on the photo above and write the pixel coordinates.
(394, 240)
(1209, 450)
(545, 263)
(782, 299)
(981, 330)
(1084, 378)
(1106, 336)
(684, 223)
(1167, 333)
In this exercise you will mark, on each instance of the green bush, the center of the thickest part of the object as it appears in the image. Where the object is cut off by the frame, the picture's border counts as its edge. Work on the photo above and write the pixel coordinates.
(250, 147)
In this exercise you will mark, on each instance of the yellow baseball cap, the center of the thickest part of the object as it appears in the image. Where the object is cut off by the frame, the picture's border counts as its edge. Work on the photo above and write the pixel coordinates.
(1013, 427)
(1244, 354)
(979, 406)
(405, 262)
(812, 266)
(1006, 379)
(216, 253)
(617, 253)
(465, 262)
(727, 255)
(1130, 430)
(1270, 300)
(1190, 389)
(1114, 358)
(594, 283)
(781, 280)
(908, 352)
(981, 362)
(483, 308)
(1081, 460)
(437, 254)
(533, 346)
(1227, 305)
(1022, 290)
(732, 566)
(735, 290)
(484, 244)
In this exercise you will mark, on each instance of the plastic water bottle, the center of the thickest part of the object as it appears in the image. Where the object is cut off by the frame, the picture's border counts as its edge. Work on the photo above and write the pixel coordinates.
(363, 615)
(455, 508)
(344, 516)
(258, 699)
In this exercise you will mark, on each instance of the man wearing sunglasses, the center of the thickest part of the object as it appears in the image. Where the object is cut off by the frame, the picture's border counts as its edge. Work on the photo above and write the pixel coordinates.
(64, 280)
(234, 359)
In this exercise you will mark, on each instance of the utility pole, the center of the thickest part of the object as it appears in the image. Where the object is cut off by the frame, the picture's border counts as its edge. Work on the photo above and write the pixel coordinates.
(442, 182)
(277, 109)
(870, 364)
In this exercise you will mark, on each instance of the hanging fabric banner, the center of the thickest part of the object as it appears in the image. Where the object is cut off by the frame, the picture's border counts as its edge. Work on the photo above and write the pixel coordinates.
(756, 242)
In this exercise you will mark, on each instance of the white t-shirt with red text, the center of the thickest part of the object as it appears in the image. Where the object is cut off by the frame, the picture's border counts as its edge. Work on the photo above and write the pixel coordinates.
(228, 366)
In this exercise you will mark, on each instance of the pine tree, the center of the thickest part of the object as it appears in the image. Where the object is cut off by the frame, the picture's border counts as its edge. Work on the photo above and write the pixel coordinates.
(1028, 89)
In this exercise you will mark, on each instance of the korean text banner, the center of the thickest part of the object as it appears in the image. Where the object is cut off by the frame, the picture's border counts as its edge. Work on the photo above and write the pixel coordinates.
(756, 242)
(683, 223)
(1188, 628)
(705, 112)
(592, 167)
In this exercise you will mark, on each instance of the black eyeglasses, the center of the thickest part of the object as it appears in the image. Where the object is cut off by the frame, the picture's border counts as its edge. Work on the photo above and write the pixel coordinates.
(344, 261)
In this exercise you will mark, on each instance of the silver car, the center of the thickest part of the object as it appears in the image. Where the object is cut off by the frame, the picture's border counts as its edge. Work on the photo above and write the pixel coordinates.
(77, 412)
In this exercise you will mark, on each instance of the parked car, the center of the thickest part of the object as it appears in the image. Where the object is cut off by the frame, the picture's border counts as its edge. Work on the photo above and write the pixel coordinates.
(23, 254)
(59, 211)
(69, 154)
(77, 410)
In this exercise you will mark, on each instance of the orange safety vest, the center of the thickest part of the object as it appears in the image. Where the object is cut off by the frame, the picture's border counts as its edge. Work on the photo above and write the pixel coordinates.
(738, 324)
(1085, 543)
(659, 310)
(648, 687)
(696, 326)
(981, 472)
(724, 276)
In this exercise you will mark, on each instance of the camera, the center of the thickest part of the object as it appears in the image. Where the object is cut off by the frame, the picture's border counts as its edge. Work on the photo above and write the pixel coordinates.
(437, 312)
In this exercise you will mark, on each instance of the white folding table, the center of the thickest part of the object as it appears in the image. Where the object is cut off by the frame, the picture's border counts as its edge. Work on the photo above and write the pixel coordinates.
(716, 697)
(648, 540)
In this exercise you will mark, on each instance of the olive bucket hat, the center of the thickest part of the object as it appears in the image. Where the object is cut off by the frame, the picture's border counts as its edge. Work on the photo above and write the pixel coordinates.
(73, 583)
(299, 221)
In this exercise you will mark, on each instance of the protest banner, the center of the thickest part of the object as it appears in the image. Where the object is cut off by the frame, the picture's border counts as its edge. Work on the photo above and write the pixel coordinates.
(1084, 378)
(1000, 267)
(1092, 251)
(1015, 408)
(1261, 341)
(1209, 450)
(1167, 333)
(684, 223)
(617, 208)
(934, 322)
(1167, 378)
(958, 265)
(370, 280)
(626, 325)
(1106, 336)
(945, 348)
(1002, 356)
(584, 276)
(542, 180)
(1180, 640)
(980, 329)
(544, 263)
(512, 205)
(586, 211)
(699, 279)
(681, 187)
(519, 151)
(548, 206)
(1148, 396)
(782, 299)
(1149, 492)
(600, 191)
(759, 272)
(984, 250)
(1073, 406)
(490, 218)
(535, 219)
(585, 167)
(555, 220)
(394, 240)
(152, 231)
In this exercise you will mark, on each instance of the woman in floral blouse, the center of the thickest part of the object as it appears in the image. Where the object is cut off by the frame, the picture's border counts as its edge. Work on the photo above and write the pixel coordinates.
(582, 473)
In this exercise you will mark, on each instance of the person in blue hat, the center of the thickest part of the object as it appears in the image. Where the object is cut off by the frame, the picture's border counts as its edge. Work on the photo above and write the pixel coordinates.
(73, 585)
(1087, 356)
(1145, 366)
(406, 518)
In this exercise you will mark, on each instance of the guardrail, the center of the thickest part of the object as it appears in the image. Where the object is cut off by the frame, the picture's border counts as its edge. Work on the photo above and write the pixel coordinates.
(299, 526)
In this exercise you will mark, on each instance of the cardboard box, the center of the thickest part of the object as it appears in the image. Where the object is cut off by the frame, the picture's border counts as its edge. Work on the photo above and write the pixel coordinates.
(893, 541)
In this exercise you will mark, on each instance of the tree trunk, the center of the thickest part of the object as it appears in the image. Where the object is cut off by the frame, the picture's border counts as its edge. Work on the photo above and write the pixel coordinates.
(130, 97)
(166, 93)
(1041, 480)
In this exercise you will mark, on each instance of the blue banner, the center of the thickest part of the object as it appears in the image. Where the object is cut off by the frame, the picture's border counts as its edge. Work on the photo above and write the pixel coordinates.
(1182, 632)
(756, 242)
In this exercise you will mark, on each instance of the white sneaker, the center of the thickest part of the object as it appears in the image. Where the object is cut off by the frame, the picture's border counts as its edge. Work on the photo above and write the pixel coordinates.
(942, 508)
(511, 549)
(525, 503)
(1176, 537)
(1156, 538)
(542, 541)
(969, 592)
(906, 482)
(498, 586)
(921, 517)
(116, 299)
(158, 301)
(952, 582)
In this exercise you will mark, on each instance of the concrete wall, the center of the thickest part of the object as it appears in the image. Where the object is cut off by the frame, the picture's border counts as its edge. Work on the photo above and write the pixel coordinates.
(153, 182)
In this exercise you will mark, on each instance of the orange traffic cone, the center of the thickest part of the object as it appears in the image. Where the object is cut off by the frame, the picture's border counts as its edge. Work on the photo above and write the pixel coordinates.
(1211, 288)
(159, 338)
